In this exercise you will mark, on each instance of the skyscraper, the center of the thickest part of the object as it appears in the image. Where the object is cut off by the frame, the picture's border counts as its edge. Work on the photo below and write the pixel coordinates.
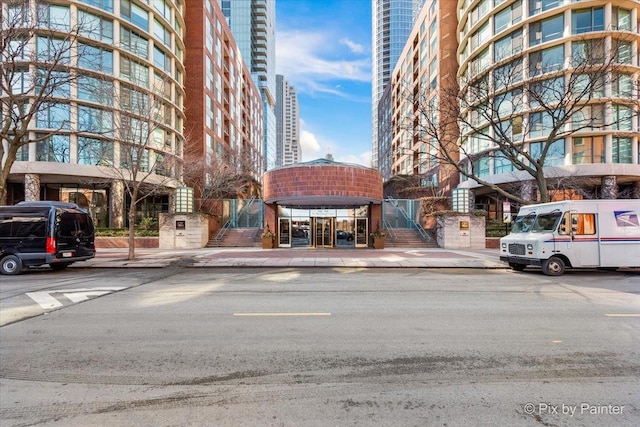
(253, 24)
(392, 21)
(288, 123)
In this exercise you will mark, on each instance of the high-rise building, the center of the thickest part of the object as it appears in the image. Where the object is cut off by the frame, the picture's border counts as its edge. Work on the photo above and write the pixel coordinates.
(392, 22)
(530, 85)
(120, 101)
(288, 150)
(224, 118)
(253, 24)
(561, 76)
(424, 74)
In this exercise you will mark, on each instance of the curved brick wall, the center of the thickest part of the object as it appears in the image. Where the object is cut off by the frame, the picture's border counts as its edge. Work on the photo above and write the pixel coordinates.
(337, 182)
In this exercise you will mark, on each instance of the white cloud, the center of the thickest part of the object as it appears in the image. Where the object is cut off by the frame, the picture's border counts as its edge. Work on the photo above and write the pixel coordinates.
(309, 145)
(355, 47)
(309, 62)
(363, 159)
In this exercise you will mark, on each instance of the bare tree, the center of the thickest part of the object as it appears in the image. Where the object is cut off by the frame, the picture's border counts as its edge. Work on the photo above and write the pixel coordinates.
(230, 174)
(35, 56)
(487, 115)
(144, 161)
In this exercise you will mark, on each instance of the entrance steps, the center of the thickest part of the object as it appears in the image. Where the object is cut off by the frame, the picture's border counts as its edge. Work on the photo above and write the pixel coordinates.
(250, 237)
(237, 238)
(407, 238)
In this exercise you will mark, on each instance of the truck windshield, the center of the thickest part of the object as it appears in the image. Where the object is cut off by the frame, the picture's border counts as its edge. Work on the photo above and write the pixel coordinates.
(522, 224)
(546, 222)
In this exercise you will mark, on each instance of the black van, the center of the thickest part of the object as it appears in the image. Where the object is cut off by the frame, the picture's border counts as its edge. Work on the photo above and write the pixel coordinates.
(37, 233)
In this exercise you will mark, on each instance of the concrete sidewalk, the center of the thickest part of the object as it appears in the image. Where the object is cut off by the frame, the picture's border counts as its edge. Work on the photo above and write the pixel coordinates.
(298, 257)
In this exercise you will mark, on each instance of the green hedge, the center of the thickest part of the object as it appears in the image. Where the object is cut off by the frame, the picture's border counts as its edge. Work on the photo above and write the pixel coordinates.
(124, 232)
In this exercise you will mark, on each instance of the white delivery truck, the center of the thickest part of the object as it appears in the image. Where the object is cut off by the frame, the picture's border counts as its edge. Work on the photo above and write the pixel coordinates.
(576, 234)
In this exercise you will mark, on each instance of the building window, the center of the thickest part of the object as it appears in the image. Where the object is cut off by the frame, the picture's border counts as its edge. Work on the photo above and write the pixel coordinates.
(134, 43)
(49, 49)
(162, 7)
(161, 60)
(622, 51)
(134, 14)
(95, 90)
(501, 164)
(540, 124)
(589, 117)
(588, 150)
(507, 17)
(95, 120)
(508, 46)
(54, 17)
(54, 116)
(161, 33)
(546, 61)
(95, 27)
(621, 150)
(622, 117)
(620, 19)
(537, 6)
(546, 30)
(106, 5)
(555, 153)
(622, 85)
(587, 52)
(95, 58)
(481, 166)
(56, 148)
(587, 20)
(134, 72)
(95, 152)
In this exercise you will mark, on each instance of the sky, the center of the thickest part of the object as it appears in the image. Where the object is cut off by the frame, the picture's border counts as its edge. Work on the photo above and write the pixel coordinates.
(323, 48)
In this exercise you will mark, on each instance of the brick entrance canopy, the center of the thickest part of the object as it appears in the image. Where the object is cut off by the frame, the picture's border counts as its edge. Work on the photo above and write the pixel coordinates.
(322, 183)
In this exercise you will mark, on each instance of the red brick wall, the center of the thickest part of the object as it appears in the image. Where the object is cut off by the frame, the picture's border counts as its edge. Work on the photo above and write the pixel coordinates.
(322, 180)
(123, 242)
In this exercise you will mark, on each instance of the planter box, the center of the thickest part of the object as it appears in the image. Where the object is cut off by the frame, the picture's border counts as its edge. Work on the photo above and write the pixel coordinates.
(378, 242)
(267, 244)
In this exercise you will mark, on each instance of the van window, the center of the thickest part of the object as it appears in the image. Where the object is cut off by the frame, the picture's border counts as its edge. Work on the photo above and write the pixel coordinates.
(74, 224)
(546, 222)
(582, 223)
(23, 225)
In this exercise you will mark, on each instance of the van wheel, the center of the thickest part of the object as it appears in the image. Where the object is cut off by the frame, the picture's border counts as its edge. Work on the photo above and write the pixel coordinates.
(10, 264)
(517, 267)
(59, 266)
(553, 266)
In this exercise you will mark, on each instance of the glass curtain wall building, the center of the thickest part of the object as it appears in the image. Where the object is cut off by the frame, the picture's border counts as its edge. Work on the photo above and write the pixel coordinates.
(531, 60)
(253, 24)
(123, 74)
(392, 22)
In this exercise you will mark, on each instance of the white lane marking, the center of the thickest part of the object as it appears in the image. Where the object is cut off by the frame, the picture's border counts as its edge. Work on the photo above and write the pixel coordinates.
(47, 301)
(281, 314)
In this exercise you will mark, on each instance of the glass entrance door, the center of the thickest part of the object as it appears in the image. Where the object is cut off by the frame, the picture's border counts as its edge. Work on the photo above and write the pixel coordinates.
(323, 236)
(362, 231)
(284, 232)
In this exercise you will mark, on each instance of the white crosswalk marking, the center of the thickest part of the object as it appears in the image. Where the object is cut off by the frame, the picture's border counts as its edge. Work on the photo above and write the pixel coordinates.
(47, 301)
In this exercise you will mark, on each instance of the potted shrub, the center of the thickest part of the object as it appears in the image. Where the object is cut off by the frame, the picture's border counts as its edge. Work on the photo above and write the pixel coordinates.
(378, 238)
(268, 238)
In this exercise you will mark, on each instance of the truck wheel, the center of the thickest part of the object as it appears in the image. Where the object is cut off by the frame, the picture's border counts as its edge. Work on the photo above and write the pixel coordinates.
(553, 266)
(10, 264)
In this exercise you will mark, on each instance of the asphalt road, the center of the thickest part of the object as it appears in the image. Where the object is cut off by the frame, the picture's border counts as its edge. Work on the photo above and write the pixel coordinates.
(318, 347)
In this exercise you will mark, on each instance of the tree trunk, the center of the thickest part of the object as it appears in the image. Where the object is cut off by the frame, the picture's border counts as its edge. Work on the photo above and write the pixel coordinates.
(132, 231)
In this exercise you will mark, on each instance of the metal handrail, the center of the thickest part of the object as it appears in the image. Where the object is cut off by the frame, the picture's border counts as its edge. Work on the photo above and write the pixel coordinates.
(423, 233)
(227, 225)
(392, 234)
